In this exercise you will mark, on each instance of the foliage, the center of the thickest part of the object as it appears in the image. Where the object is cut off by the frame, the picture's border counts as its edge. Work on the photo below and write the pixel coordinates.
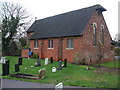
(35, 55)
(117, 51)
(73, 75)
(13, 24)
(23, 41)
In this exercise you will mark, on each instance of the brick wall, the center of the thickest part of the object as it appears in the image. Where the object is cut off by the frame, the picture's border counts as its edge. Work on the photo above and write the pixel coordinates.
(83, 45)
(25, 52)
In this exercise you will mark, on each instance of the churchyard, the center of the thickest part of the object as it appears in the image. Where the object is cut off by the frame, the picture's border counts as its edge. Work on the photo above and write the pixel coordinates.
(73, 75)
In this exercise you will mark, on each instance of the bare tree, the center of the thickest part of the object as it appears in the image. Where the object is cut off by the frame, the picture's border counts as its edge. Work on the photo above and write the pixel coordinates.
(15, 21)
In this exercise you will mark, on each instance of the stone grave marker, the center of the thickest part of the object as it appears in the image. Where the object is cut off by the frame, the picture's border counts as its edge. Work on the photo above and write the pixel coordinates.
(53, 69)
(46, 61)
(38, 63)
(17, 68)
(41, 73)
(51, 59)
(65, 63)
(5, 69)
(20, 61)
(59, 86)
(3, 60)
(60, 65)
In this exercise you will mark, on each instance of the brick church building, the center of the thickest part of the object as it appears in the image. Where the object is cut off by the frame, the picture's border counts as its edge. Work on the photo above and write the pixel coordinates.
(81, 33)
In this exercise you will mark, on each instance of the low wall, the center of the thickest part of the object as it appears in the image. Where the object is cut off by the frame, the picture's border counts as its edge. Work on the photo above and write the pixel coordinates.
(25, 52)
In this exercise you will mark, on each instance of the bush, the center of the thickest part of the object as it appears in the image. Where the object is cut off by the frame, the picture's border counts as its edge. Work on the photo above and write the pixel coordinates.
(35, 55)
(117, 51)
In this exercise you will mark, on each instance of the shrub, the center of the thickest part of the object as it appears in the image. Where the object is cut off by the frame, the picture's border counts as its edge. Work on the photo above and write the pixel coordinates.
(35, 55)
(117, 51)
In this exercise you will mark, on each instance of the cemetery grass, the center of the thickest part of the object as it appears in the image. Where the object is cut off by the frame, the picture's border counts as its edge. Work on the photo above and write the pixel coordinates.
(112, 64)
(73, 75)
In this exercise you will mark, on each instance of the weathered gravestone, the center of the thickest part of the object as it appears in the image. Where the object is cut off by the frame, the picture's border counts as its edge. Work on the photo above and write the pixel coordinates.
(60, 65)
(41, 73)
(53, 69)
(65, 63)
(46, 61)
(38, 63)
(51, 59)
(5, 69)
(3, 60)
(17, 68)
(59, 86)
(20, 61)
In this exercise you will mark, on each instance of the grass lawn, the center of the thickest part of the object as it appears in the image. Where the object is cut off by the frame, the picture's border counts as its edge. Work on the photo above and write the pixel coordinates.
(74, 75)
(112, 64)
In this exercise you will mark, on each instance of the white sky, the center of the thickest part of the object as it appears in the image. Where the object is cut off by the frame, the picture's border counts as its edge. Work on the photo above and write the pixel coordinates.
(45, 8)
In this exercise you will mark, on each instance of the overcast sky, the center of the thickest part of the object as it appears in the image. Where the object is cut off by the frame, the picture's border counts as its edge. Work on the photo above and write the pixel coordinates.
(45, 8)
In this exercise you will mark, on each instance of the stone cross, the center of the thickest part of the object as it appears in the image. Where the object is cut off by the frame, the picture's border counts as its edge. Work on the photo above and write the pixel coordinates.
(46, 61)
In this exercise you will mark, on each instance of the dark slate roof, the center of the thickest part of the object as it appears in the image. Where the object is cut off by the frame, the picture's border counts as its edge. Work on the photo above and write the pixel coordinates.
(67, 24)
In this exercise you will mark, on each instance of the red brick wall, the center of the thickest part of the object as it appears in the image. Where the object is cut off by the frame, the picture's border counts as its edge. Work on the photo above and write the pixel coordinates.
(25, 52)
(82, 44)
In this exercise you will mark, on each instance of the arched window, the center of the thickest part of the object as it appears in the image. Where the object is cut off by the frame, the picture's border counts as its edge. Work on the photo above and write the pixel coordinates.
(36, 44)
(102, 34)
(94, 34)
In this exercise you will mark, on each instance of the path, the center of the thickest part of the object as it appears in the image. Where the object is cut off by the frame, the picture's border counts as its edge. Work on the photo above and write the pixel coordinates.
(7, 83)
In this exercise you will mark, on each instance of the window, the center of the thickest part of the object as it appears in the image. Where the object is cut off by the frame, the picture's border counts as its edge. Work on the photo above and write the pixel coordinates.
(94, 36)
(70, 43)
(50, 44)
(102, 34)
(36, 44)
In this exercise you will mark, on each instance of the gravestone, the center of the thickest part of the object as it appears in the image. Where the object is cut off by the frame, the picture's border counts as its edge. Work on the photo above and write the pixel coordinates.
(53, 69)
(3, 60)
(38, 63)
(41, 73)
(20, 61)
(17, 68)
(7, 62)
(59, 86)
(46, 61)
(60, 65)
(5, 69)
(51, 59)
(65, 63)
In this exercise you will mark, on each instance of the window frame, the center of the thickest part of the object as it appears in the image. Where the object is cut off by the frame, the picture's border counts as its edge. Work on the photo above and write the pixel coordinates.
(102, 33)
(35, 44)
(50, 44)
(95, 34)
(70, 43)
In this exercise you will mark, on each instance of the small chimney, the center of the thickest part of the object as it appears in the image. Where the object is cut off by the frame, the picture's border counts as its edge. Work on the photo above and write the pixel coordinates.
(35, 18)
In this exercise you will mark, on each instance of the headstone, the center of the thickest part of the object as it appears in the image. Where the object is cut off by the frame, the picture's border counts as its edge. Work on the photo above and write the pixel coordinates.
(41, 73)
(51, 59)
(87, 68)
(59, 86)
(46, 61)
(53, 69)
(38, 63)
(20, 61)
(7, 62)
(17, 68)
(3, 60)
(60, 65)
(5, 69)
(65, 63)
